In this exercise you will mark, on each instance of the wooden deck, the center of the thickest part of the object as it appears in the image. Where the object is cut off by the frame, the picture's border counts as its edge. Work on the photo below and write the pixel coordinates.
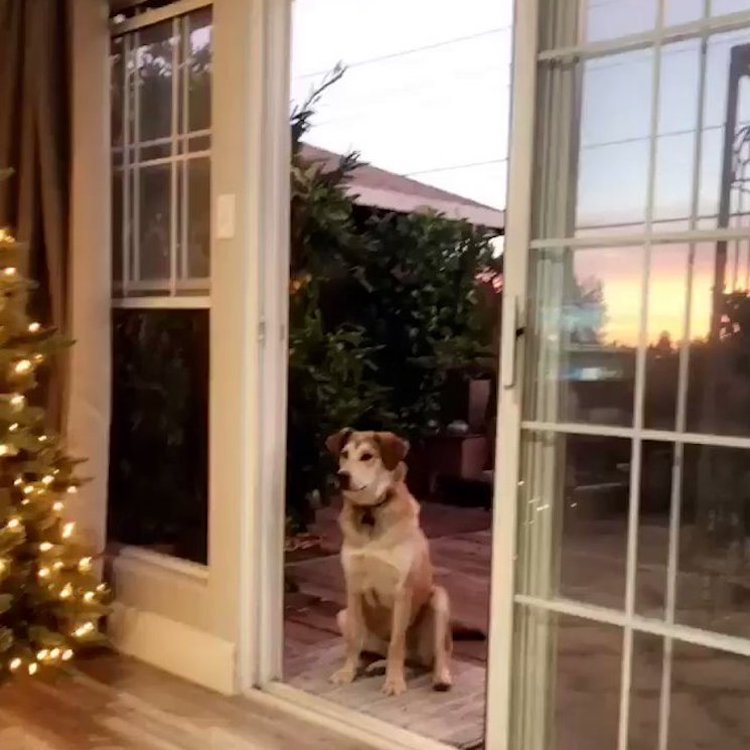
(460, 546)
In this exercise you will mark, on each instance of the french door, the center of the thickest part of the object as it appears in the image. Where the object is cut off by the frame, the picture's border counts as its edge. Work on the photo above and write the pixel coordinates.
(621, 573)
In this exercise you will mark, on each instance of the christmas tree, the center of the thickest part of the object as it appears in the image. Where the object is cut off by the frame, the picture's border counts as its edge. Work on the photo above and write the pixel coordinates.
(51, 601)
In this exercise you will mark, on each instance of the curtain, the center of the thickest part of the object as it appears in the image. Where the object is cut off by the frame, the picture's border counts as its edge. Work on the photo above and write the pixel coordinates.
(34, 142)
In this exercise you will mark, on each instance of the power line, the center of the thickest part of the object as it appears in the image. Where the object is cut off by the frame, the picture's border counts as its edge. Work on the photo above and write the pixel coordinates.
(454, 167)
(411, 51)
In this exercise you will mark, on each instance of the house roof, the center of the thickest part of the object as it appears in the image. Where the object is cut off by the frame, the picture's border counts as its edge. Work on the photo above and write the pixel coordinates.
(377, 188)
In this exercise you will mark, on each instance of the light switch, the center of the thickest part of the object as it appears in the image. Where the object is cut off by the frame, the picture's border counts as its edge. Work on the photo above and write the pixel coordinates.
(225, 205)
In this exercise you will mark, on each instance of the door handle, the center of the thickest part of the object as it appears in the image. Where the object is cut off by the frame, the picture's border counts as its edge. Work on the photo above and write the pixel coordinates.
(510, 347)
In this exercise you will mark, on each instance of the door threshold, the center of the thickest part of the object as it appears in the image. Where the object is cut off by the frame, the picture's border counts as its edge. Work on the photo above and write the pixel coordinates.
(371, 732)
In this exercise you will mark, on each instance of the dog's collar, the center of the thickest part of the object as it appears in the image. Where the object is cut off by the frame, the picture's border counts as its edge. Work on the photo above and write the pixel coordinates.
(367, 514)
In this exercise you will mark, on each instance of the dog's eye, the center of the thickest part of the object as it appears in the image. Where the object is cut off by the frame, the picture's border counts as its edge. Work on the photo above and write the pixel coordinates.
(366, 457)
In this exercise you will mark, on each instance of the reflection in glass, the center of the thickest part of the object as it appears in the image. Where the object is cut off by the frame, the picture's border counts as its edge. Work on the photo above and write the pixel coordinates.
(154, 239)
(198, 65)
(718, 398)
(566, 682)
(158, 469)
(657, 461)
(709, 700)
(713, 586)
(572, 531)
(198, 218)
(665, 334)
(724, 166)
(583, 334)
(645, 691)
(154, 46)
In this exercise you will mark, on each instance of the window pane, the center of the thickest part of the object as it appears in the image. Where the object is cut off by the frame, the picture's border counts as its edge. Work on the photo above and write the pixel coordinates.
(199, 218)
(582, 335)
(668, 286)
(645, 691)
(155, 224)
(154, 60)
(718, 399)
(117, 89)
(117, 178)
(710, 698)
(712, 586)
(724, 164)
(158, 484)
(573, 518)
(198, 65)
(611, 19)
(683, 11)
(566, 682)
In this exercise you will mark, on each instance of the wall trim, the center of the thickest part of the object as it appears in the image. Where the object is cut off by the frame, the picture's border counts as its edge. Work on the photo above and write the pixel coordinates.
(135, 558)
(179, 649)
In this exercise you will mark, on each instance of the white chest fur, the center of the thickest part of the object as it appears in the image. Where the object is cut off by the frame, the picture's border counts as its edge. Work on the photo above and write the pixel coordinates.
(377, 571)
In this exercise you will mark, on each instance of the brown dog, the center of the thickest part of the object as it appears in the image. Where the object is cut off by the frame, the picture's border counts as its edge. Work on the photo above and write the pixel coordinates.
(393, 609)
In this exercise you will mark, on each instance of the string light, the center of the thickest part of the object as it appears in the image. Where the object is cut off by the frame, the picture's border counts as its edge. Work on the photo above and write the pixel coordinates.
(23, 366)
(58, 506)
(89, 597)
(72, 490)
(38, 359)
(84, 564)
(43, 573)
(34, 327)
(18, 482)
(42, 438)
(5, 235)
(27, 490)
(42, 655)
(13, 427)
(3, 566)
(84, 629)
(101, 588)
(48, 479)
(14, 523)
(17, 401)
(15, 664)
(4, 450)
(45, 546)
(67, 591)
(67, 655)
(55, 653)
(10, 271)
(68, 528)
(33, 668)
(58, 565)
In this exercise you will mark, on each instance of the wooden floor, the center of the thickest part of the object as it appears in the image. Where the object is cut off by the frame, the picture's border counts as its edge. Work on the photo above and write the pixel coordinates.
(115, 703)
(460, 545)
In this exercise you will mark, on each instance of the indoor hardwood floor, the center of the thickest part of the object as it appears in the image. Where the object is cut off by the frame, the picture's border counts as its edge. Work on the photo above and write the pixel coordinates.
(115, 703)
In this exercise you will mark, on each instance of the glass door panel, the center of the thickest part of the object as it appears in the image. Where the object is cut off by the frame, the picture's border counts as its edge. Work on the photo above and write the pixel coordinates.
(632, 505)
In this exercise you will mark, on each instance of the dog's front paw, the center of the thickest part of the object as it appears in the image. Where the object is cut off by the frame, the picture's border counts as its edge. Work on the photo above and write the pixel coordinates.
(442, 680)
(344, 676)
(394, 684)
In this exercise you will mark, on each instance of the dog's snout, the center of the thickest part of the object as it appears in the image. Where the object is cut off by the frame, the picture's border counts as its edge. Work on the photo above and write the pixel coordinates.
(344, 478)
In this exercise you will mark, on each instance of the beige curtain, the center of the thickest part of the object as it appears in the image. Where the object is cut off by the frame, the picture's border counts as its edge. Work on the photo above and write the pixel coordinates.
(34, 142)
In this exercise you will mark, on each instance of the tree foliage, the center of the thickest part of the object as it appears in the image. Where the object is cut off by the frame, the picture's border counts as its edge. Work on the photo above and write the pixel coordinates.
(382, 307)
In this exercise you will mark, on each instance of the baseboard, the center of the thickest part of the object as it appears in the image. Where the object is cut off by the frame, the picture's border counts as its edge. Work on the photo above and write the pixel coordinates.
(176, 648)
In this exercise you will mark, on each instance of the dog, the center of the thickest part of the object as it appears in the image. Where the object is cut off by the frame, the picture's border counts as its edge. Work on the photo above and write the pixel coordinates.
(394, 609)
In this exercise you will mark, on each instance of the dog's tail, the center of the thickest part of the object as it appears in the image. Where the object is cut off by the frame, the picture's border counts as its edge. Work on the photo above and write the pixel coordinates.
(463, 632)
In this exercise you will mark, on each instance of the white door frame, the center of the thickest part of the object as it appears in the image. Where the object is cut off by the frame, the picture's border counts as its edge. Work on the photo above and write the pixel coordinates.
(507, 453)
(261, 645)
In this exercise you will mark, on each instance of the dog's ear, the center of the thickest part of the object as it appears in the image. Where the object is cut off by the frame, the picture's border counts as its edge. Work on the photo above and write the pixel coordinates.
(393, 449)
(336, 442)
